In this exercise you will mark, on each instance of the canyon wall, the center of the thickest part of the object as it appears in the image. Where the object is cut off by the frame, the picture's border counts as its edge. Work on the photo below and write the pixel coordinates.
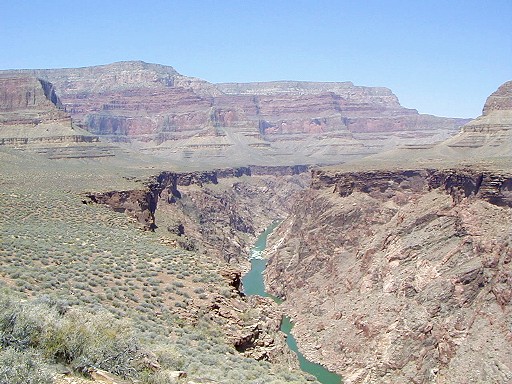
(491, 133)
(219, 211)
(185, 118)
(400, 276)
(31, 112)
(133, 98)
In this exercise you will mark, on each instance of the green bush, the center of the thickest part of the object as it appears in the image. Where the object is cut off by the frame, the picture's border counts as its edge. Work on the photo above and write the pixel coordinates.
(23, 367)
(73, 336)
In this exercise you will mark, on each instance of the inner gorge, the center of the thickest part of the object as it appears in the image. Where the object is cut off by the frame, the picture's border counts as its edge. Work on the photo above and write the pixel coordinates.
(253, 284)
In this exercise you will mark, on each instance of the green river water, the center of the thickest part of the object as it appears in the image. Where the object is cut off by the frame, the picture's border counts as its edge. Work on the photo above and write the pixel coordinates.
(254, 285)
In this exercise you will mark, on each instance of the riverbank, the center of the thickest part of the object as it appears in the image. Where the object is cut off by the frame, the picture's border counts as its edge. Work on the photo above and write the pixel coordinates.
(253, 284)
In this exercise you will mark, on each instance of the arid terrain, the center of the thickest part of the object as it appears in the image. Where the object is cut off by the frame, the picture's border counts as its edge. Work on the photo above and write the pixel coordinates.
(131, 195)
(400, 271)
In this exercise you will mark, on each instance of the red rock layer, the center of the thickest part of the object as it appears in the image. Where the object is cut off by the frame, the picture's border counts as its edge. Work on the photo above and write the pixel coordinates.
(136, 98)
(400, 276)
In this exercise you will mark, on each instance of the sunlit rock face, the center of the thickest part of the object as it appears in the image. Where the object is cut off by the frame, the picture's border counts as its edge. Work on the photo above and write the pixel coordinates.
(31, 112)
(297, 121)
(399, 274)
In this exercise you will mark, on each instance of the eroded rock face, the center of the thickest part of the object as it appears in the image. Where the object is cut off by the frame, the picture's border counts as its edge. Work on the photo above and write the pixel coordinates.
(308, 107)
(500, 100)
(493, 128)
(31, 112)
(400, 276)
(135, 99)
(220, 211)
(497, 113)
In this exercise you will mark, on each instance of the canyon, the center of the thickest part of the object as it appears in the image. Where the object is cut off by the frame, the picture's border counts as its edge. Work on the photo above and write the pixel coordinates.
(399, 274)
(393, 256)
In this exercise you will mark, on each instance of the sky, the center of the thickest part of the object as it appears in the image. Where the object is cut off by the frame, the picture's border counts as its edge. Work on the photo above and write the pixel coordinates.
(441, 57)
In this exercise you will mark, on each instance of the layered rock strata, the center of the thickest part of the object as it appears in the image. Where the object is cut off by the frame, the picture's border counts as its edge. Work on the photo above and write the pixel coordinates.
(493, 128)
(395, 274)
(31, 112)
(400, 276)
(197, 120)
(219, 210)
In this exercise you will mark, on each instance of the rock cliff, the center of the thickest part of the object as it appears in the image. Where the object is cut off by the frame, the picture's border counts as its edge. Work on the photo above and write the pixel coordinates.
(492, 130)
(31, 112)
(219, 211)
(398, 274)
(297, 121)
(501, 100)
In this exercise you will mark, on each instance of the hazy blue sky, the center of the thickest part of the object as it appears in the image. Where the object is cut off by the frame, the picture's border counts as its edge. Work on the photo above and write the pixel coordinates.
(441, 57)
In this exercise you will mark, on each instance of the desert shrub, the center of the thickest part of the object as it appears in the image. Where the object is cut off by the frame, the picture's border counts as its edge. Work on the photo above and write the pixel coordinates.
(99, 340)
(169, 357)
(23, 367)
(226, 292)
(21, 325)
(74, 336)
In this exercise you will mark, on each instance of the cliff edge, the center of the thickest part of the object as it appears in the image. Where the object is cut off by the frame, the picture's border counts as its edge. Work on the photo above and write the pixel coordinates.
(31, 112)
(400, 274)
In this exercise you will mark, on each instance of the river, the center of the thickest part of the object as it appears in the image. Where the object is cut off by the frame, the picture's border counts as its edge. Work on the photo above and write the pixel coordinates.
(254, 285)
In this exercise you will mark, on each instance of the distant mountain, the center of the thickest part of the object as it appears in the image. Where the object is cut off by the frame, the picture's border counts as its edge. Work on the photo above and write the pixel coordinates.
(194, 119)
(484, 142)
(489, 135)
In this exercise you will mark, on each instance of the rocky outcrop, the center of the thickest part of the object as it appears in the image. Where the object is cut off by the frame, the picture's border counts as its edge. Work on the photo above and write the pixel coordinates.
(497, 113)
(253, 326)
(492, 130)
(31, 112)
(22, 95)
(501, 100)
(400, 276)
(220, 209)
(139, 204)
(458, 183)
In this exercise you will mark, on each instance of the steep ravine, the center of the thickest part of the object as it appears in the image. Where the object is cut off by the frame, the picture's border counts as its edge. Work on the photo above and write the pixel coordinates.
(388, 276)
(219, 213)
(400, 276)
(253, 285)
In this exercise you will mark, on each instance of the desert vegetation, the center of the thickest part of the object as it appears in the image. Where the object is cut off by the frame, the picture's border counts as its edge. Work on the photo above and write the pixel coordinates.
(83, 286)
(39, 333)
